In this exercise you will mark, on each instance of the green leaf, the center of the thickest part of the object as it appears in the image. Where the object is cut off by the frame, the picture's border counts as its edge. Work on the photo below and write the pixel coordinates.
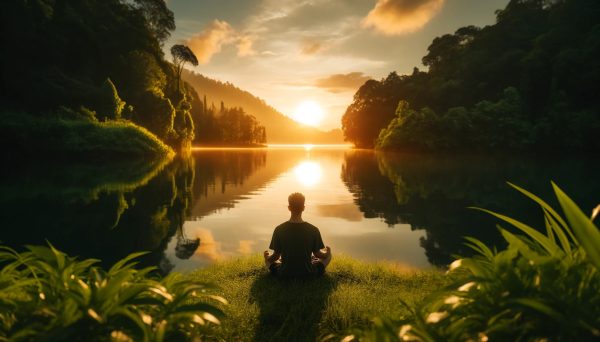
(540, 307)
(479, 247)
(123, 262)
(538, 237)
(521, 246)
(586, 231)
(560, 234)
(547, 208)
(59, 256)
(549, 229)
(200, 307)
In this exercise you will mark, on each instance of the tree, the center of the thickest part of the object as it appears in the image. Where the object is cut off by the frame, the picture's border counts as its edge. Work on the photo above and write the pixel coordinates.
(527, 81)
(159, 18)
(181, 55)
(109, 105)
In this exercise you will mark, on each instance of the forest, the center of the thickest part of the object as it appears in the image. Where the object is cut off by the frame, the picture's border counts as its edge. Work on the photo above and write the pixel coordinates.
(280, 128)
(91, 76)
(528, 82)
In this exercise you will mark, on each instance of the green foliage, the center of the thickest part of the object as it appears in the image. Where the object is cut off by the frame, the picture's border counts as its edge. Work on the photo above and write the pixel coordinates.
(541, 287)
(159, 19)
(156, 113)
(46, 294)
(535, 50)
(182, 54)
(227, 126)
(104, 55)
(109, 105)
(487, 125)
(77, 134)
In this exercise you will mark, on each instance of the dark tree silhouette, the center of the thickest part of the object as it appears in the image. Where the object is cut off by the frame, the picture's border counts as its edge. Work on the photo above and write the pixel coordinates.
(181, 55)
(159, 18)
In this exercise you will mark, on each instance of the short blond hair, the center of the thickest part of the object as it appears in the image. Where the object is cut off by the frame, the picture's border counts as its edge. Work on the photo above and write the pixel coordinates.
(296, 201)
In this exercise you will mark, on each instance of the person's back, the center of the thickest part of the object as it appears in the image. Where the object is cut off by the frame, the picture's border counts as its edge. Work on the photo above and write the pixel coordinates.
(296, 241)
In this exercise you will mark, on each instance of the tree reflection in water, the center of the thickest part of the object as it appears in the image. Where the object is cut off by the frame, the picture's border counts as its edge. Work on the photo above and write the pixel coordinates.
(109, 210)
(102, 211)
(433, 192)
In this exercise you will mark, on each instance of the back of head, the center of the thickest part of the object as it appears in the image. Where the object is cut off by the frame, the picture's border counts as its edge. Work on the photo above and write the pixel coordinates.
(296, 202)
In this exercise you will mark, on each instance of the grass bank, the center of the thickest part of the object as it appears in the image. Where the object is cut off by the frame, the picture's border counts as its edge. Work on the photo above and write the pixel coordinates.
(262, 308)
(24, 135)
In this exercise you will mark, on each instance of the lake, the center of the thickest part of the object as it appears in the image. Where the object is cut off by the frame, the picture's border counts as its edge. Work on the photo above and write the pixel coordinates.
(222, 203)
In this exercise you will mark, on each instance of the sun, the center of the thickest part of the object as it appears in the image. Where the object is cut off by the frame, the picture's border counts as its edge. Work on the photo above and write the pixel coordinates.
(309, 113)
(308, 173)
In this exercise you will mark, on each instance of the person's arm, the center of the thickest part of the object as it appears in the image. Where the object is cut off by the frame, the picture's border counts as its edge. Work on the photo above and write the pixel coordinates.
(275, 245)
(274, 257)
(322, 255)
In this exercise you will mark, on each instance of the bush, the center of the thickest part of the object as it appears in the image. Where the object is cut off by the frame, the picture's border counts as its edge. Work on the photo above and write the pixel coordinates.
(77, 133)
(541, 287)
(47, 295)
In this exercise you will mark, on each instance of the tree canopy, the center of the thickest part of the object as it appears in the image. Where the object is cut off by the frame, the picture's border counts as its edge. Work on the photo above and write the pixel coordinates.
(528, 81)
(102, 59)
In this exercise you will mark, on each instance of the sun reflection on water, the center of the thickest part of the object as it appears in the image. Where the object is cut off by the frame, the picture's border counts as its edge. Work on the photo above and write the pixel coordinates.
(308, 173)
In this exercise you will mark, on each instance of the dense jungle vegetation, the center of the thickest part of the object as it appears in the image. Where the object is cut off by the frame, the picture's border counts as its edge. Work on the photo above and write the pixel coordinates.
(95, 61)
(526, 82)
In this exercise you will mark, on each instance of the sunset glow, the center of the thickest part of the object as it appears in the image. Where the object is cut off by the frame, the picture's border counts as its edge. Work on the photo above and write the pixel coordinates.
(309, 113)
(308, 173)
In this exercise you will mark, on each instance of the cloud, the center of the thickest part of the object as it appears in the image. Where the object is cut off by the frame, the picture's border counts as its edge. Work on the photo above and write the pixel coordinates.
(310, 47)
(210, 41)
(396, 17)
(245, 247)
(342, 82)
(209, 248)
(347, 212)
(244, 46)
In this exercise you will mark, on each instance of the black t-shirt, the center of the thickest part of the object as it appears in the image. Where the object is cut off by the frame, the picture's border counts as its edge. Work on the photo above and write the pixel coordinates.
(296, 242)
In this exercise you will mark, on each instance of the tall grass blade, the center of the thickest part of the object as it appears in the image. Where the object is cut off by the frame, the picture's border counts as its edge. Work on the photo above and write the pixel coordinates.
(538, 237)
(560, 234)
(595, 212)
(586, 231)
(547, 208)
(123, 262)
(480, 247)
(540, 307)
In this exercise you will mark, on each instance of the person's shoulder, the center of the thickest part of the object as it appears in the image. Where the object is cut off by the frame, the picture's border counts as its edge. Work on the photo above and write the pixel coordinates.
(311, 226)
(282, 225)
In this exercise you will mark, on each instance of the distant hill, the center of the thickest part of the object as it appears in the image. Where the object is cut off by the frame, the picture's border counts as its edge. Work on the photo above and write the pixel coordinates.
(280, 128)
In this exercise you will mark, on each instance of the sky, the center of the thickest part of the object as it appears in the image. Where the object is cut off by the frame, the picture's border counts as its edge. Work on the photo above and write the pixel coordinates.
(291, 51)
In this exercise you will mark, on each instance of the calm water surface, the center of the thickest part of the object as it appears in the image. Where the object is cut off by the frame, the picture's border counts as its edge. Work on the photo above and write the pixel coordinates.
(223, 203)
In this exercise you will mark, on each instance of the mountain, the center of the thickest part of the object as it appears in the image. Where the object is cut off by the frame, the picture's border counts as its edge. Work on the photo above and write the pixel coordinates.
(280, 128)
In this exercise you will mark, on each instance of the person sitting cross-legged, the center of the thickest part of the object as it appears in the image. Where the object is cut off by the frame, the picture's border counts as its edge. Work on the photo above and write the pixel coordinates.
(298, 249)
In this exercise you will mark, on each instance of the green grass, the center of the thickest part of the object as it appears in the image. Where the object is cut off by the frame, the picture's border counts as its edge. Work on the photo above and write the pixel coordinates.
(263, 308)
(25, 135)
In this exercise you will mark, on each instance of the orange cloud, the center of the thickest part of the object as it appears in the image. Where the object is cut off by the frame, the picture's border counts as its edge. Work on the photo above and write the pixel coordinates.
(310, 47)
(395, 17)
(245, 247)
(245, 46)
(209, 248)
(342, 82)
(347, 212)
(210, 41)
